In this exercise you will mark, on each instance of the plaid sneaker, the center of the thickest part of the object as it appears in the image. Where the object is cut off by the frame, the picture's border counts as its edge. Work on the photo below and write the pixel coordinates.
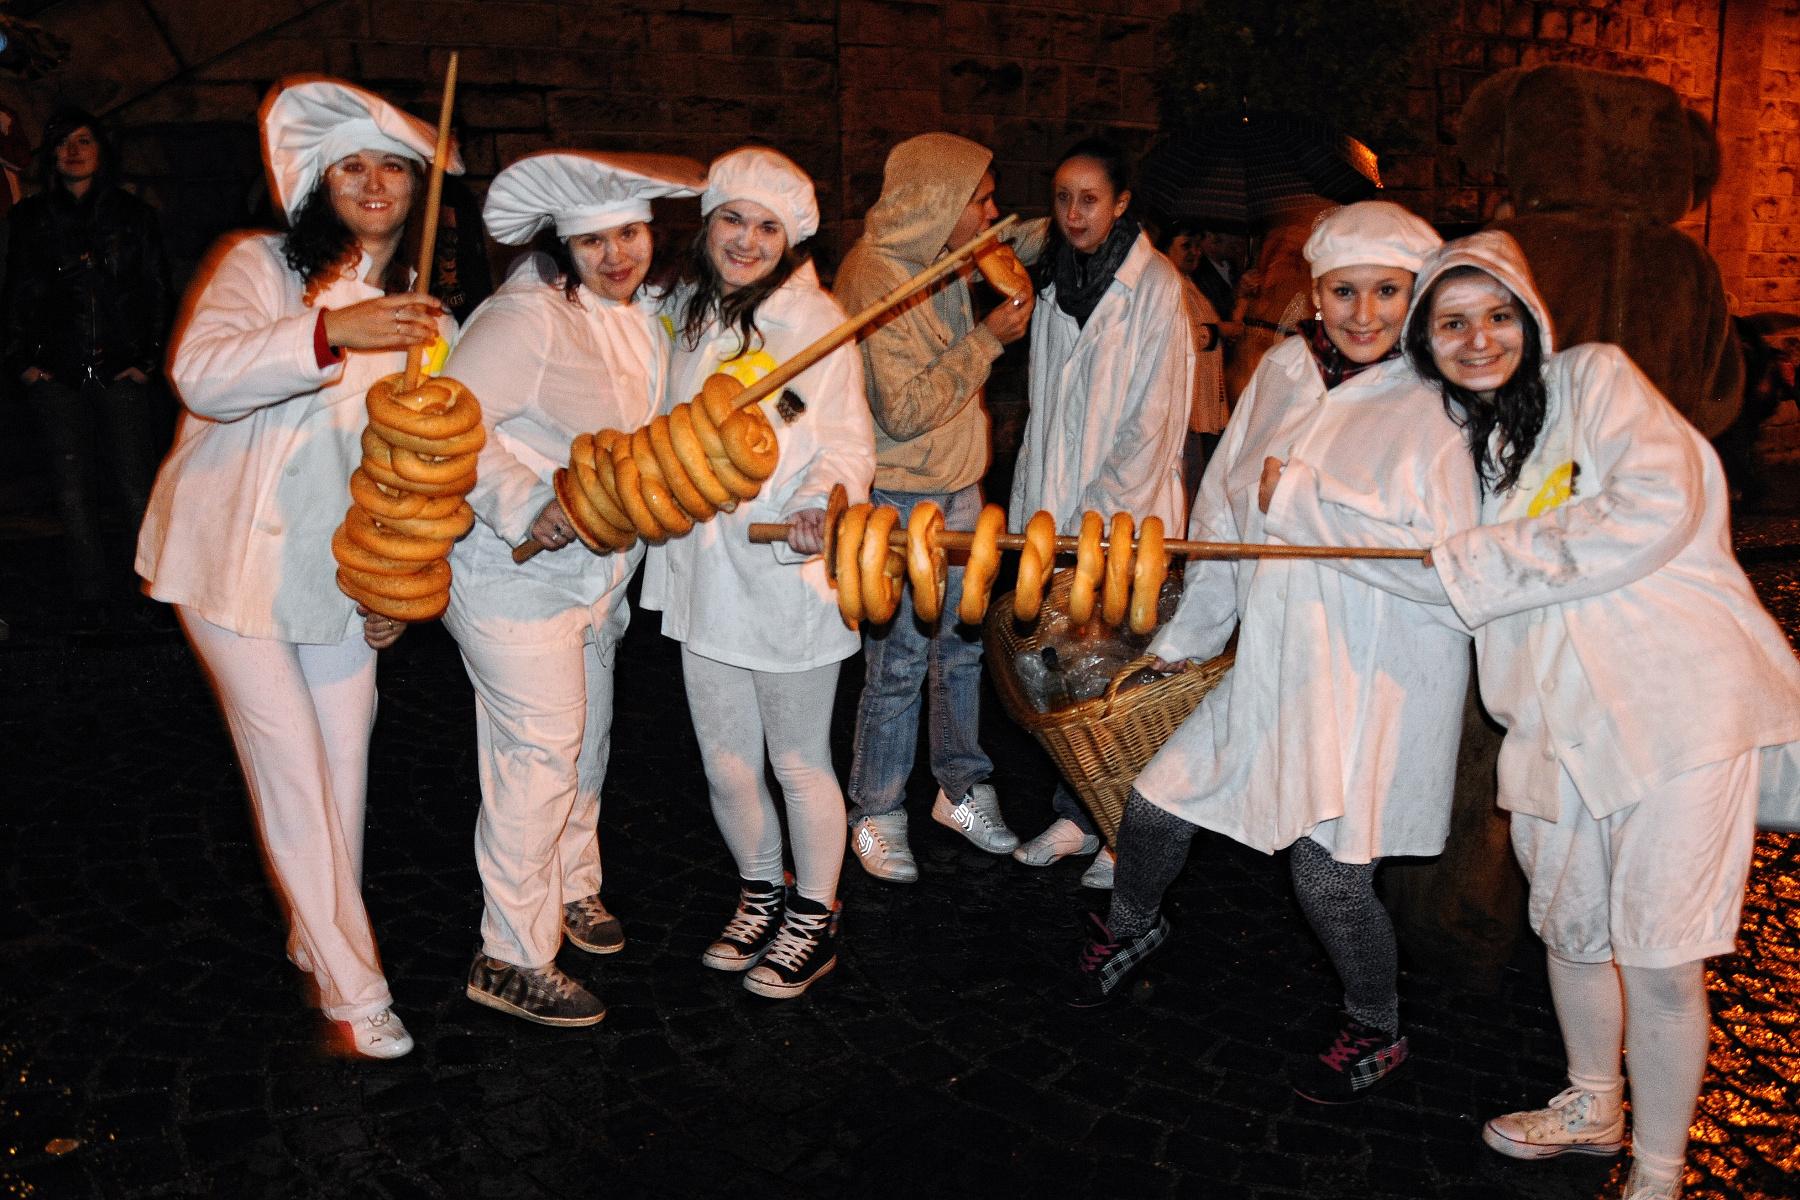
(1106, 963)
(588, 926)
(541, 994)
(752, 927)
(1575, 1121)
(1357, 1060)
(804, 952)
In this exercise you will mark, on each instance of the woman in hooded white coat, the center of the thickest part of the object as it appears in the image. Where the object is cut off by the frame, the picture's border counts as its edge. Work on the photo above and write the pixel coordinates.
(282, 338)
(1336, 731)
(567, 346)
(759, 625)
(1647, 696)
(1111, 382)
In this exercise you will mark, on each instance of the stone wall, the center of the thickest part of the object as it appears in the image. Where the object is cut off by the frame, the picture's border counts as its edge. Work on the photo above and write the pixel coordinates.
(836, 82)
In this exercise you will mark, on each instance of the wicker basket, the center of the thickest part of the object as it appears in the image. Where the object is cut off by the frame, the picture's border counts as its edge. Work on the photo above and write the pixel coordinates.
(1099, 745)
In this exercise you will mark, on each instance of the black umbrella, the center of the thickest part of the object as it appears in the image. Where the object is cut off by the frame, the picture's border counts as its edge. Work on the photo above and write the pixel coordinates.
(1254, 167)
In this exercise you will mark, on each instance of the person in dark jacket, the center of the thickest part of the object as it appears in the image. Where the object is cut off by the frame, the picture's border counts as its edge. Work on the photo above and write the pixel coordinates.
(87, 307)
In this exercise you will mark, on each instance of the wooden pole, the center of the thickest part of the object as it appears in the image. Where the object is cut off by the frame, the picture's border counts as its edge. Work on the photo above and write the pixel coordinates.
(951, 539)
(434, 195)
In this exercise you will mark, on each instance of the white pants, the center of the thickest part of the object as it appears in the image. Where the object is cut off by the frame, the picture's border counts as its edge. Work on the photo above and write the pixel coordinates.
(739, 716)
(300, 717)
(543, 732)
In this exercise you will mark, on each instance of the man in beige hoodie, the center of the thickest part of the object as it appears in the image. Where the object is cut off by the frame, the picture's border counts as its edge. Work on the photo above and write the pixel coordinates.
(924, 366)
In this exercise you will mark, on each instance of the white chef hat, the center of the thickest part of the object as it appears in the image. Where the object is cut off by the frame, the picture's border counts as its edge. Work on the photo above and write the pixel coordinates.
(583, 191)
(1371, 233)
(310, 122)
(768, 178)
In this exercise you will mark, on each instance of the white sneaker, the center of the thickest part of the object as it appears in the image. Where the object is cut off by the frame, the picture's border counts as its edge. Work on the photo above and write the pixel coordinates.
(1574, 1122)
(977, 817)
(880, 845)
(1640, 1186)
(379, 1036)
(1100, 872)
(1062, 839)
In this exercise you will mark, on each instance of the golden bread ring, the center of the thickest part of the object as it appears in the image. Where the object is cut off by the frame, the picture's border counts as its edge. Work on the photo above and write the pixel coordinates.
(1089, 567)
(452, 526)
(631, 499)
(597, 482)
(706, 429)
(675, 473)
(927, 565)
(582, 518)
(652, 489)
(1147, 577)
(425, 608)
(984, 564)
(686, 444)
(463, 443)
(1116, 598)
(384, 502)
(849, 551)
(363, 529)
(739, 484)
(1036, 561)
(375, 447)
(836, 503)
(349, 554)
(437, 408)
(750, 442)
(416, 468)
(880, 568)
(718, 396)
(435, 577)
(1000, 266)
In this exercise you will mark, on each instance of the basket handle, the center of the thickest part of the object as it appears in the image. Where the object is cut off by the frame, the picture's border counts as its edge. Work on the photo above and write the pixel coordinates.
(1126, 672)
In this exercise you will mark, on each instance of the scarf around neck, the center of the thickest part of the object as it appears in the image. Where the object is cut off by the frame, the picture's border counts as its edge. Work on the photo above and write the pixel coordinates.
(1081, 279)
(1332, 364)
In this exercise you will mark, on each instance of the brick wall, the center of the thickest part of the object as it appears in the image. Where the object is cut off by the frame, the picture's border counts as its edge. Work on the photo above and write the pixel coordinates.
(836, 82)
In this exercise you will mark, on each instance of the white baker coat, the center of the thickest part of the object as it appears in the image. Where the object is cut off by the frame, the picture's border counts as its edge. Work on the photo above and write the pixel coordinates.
(1616, 635)
(240, 521)
(545, 370)
(752, 606)
(1341, 717)
(1109, 402)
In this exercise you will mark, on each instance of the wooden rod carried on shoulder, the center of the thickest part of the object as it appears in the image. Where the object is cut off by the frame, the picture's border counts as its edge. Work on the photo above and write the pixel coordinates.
(434, 196)
(951, 539)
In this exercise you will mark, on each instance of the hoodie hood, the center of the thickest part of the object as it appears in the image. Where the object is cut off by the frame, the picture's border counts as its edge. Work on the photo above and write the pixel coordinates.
(928, 182)
(1494, 252)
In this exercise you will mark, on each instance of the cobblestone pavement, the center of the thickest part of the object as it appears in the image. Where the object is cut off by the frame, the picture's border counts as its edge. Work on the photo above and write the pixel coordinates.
(155, 1043)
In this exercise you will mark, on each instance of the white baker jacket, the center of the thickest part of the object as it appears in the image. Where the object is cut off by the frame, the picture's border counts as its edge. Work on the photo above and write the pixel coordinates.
(240, 521)
(1109, 402)
(760, 606)
(1341, 717)
(1616, 635)
(545, 370)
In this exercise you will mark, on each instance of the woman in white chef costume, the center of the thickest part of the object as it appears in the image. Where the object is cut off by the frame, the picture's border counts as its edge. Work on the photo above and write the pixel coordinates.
(759, 626)
(282, 339)
(1645, 692)
(1336, 731)
(564, 347)
(1112, 372)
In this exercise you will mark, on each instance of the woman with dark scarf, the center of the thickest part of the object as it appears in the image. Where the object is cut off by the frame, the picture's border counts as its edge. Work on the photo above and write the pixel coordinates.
(87, 308)
(1112, 371)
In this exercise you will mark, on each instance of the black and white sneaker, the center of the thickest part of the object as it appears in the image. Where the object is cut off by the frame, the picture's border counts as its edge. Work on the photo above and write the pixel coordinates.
(1359, 1059)
(804, 952)
(541, 994)
(751, 928)
(1106, 963)
(588, 926)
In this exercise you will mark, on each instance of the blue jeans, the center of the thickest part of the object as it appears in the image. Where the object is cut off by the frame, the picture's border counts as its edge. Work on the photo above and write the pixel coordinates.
(902, 656)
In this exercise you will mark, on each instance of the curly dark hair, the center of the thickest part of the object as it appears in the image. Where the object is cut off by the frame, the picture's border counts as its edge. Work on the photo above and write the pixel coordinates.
(318, 242)
(737, 310)
(1518, 406)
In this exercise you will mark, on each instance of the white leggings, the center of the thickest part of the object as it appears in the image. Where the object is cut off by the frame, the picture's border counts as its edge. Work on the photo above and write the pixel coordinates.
(300, 717)
(1662, 1023)
(737, 713)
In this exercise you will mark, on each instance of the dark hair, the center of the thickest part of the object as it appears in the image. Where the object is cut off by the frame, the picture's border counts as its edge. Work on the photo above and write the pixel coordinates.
(63, 122)
(709, 301)
(567, 276)
(318, 242)
(1518, 405)
(1112, 161)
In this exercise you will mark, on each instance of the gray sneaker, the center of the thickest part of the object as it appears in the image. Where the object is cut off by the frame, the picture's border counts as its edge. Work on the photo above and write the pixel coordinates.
(977, 817)
(588, 926)
(880, 846)
(541, 994)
